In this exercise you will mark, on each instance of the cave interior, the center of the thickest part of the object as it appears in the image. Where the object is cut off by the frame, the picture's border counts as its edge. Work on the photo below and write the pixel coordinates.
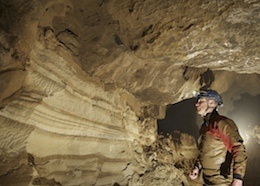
(99, 92)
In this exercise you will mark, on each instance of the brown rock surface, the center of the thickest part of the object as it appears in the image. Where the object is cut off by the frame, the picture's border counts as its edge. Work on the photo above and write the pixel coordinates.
(82, 84)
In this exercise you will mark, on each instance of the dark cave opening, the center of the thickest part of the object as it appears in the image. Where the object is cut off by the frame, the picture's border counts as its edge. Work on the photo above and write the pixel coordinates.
(182, 117)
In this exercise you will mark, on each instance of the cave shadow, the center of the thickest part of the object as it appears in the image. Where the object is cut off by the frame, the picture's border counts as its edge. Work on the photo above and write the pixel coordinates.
(182, 117)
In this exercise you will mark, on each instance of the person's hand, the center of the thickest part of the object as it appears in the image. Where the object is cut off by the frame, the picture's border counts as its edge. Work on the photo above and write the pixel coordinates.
(237, 182)
(194, 173)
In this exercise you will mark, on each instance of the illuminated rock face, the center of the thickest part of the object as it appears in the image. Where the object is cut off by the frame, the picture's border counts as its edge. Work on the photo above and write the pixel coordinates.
(83, 84)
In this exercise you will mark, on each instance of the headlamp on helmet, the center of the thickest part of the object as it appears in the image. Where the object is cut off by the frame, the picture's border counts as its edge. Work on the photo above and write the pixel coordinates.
(211, 94)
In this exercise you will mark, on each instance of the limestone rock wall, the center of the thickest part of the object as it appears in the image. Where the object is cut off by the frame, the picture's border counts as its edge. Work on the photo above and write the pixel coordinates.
(73, 127)
(74, 132)
(82, 84)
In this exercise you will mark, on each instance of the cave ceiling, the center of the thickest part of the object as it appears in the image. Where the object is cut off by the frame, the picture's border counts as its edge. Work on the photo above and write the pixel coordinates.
(152, 49)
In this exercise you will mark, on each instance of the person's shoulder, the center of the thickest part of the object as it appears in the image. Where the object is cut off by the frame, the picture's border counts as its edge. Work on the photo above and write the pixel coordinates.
(225, 121)
(221, 118)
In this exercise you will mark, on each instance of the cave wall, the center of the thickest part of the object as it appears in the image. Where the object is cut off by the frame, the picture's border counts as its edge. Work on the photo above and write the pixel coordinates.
(71, 126)
(84, 82)
(64, 127)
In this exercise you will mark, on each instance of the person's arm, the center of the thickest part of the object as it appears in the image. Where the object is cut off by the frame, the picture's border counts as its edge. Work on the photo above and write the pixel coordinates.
(194, 173)
(234, 143)
(237, 182)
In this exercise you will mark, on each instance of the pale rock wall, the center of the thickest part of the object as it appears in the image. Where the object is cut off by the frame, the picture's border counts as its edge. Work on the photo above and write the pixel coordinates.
(76, 133)
(73, 120)
(14, 158)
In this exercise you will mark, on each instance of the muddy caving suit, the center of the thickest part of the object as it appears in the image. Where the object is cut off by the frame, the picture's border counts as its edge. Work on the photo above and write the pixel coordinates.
(222, 153)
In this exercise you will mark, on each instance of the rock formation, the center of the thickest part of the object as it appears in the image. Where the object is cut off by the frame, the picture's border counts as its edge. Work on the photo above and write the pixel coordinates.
(82, 84)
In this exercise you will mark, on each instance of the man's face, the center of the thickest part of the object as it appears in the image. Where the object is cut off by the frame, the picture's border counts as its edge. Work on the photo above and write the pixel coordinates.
(201, 106)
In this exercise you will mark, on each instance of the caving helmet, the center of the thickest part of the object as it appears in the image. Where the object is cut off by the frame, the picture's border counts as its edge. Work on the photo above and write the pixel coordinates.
(212, 94)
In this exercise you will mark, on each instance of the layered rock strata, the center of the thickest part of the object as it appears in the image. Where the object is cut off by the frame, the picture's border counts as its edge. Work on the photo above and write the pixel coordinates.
(82, 84)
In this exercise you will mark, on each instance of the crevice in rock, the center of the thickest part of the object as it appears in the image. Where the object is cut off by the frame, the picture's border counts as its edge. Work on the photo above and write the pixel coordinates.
(206, 79)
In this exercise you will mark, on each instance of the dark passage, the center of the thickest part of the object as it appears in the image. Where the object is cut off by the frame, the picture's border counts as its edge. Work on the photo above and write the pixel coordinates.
(181, 116)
